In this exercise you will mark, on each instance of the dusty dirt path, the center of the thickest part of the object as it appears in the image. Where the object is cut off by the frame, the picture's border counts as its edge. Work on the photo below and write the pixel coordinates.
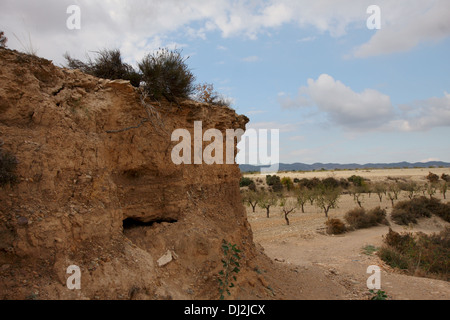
(335, 267)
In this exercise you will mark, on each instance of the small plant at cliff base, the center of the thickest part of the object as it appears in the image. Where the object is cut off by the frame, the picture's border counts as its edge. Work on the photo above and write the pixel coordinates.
(267, 200)
(3, 40)
(108, 64)
(205, 93)
(378, 295)
(230, 263)
(8, 165)
(166, 74)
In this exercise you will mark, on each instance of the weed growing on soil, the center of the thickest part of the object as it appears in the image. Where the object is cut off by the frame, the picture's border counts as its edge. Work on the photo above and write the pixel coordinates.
(379, 295)
(230, 268)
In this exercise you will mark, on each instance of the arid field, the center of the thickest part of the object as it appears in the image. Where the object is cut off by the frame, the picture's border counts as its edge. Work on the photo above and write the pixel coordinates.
(305, 246)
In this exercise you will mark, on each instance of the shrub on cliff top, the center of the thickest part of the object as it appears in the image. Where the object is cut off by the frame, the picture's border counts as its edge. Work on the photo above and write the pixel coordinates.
(108, 64)
(166, 74)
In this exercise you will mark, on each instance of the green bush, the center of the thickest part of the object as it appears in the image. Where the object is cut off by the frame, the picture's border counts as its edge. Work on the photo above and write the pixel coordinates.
(245, 182)
(330, 183)
(287, 182)
(356, 180)
(166, 74)
(107, 64)
(8, 165)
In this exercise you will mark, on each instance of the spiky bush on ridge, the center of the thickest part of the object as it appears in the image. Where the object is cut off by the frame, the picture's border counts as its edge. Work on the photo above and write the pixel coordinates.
(166, 74)
(107, 64)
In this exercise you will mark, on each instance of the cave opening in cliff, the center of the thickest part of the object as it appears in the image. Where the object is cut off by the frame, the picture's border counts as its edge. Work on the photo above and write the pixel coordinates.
(131, 223)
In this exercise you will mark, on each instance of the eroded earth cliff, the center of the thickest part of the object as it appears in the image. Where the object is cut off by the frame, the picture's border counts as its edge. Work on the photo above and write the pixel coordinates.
(97, 189)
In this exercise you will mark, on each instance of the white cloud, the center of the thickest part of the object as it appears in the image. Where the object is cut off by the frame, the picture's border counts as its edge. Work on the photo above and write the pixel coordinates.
(138, 26)
(369, 109)
(401, 31)
(344, 107)
(424, 115)
(251, 59)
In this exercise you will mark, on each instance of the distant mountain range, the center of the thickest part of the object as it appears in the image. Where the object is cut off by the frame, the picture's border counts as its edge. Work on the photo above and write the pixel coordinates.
(350, 166)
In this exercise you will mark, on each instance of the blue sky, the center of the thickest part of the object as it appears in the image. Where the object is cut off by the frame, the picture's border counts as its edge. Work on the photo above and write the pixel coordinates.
(337, 91)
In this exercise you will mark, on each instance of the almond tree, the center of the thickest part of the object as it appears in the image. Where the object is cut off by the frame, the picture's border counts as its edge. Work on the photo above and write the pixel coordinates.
(267, 200)
(251, 198)
(328, 198)
(288, 205)
(380, 189)
(302, 197)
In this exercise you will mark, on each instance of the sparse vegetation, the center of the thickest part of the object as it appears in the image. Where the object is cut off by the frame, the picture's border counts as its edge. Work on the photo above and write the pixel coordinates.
(406, 212)
(231, 268)
(419, 254)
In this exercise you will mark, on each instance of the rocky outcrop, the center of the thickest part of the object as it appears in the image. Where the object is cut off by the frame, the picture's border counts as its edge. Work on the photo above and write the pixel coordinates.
(97, 189)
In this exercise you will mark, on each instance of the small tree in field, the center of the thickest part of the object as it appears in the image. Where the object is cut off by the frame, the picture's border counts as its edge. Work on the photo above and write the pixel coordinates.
(267, 200)
(302, 197)
(328, 198)
(411, 188)
(391, 196)
(380, 189)
(251, 198)
(288, 205)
